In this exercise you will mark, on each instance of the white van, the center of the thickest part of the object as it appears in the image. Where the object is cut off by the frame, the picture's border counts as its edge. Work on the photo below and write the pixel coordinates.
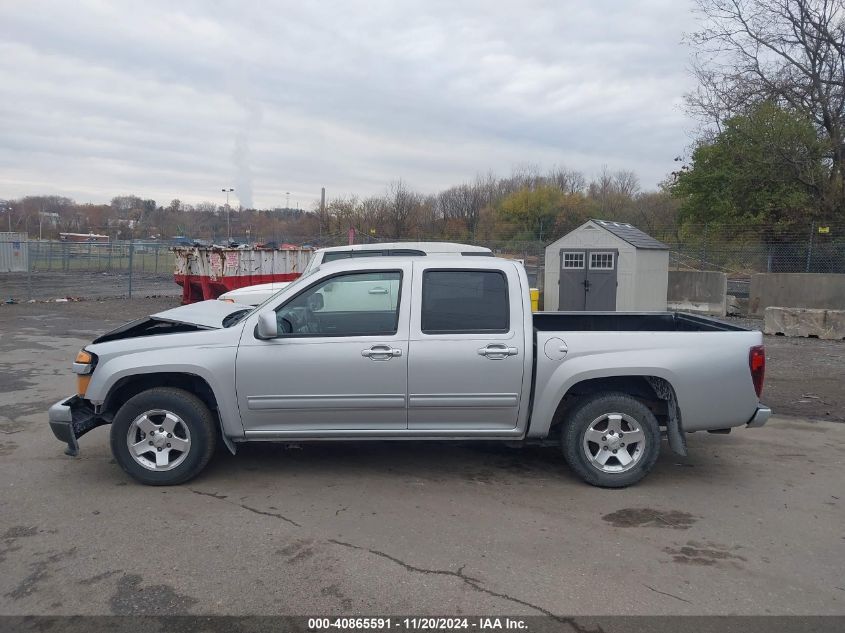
(253, 295)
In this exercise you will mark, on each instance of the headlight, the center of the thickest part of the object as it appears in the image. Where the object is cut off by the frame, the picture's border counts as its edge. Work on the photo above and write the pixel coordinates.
(84, 363)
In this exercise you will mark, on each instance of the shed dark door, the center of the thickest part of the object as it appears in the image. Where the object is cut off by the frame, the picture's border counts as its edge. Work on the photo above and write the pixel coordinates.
(587, 280)
(573, 275)
(600, 289)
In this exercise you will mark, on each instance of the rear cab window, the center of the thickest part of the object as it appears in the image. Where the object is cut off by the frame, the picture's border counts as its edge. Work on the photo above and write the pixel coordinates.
(464, 301)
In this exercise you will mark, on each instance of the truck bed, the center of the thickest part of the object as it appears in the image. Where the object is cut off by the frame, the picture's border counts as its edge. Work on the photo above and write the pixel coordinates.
(705, 360)
(629, 322)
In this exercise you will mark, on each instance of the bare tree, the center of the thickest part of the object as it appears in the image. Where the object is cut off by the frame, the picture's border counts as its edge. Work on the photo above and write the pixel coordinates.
(207, 208)
(401, 206)
(463, 202)
(626, 183)
(568, 180)
(614, 192)
(788, 51)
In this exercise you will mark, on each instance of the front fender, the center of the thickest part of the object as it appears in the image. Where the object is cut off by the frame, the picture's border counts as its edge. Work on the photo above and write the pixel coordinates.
(213, 364)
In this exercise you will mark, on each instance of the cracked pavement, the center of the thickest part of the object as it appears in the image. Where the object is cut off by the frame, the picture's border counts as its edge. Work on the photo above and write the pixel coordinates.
(750, 523)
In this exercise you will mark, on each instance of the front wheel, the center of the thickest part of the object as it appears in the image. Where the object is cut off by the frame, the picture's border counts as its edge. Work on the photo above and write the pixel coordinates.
(611, 440)
(163, 436)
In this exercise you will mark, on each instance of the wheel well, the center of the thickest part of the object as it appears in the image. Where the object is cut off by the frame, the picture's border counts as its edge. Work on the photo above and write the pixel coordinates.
(130, 386)
(639, 387)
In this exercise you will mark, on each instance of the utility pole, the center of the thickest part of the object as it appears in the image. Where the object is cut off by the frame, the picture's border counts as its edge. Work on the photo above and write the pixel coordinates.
(228, 224)
(810, 247)
(322, 208)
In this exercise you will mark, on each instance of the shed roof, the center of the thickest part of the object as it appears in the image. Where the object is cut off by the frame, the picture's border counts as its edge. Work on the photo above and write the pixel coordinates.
(632, 235)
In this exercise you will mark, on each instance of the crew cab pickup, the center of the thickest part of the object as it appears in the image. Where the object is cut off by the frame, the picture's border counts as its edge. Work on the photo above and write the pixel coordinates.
(448, 351)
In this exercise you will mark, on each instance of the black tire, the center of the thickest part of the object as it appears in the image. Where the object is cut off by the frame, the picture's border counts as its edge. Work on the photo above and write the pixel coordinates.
(198, 419)
(577, 423)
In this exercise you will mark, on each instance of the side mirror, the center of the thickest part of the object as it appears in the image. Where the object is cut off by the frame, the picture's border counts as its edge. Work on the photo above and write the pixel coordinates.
(267, 327)
(316, 302)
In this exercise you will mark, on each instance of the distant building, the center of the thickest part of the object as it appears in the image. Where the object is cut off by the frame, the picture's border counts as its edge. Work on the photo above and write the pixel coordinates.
(49, 218)
(84, 237)
(123, 222)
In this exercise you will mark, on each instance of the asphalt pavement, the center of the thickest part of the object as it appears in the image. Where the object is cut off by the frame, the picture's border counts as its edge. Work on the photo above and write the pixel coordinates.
(749, 523)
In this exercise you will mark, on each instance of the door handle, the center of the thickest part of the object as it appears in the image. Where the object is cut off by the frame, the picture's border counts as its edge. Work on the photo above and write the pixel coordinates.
(377, 291)
(381, 352)
(497, 352)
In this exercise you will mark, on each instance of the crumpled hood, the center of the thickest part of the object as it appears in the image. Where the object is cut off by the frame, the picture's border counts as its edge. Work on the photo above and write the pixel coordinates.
(206, 314)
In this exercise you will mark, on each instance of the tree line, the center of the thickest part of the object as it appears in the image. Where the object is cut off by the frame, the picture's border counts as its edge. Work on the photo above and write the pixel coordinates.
(528, 205)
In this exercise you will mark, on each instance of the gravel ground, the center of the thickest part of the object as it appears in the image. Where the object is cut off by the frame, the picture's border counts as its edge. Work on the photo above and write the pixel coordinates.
(83, 285)
(804, 376)
(415, 528)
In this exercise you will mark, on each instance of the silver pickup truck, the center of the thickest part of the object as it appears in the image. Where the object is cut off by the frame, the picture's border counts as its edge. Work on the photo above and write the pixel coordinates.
(434, 348)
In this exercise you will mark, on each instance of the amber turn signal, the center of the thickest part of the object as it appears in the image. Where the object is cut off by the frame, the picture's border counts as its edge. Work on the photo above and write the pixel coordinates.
(83, 357)
(82, 384)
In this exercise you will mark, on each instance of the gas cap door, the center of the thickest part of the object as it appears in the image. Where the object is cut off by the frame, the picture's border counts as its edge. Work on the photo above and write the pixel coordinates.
(555, 349)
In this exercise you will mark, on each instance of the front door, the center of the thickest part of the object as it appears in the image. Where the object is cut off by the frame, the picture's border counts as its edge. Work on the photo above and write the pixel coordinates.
(467, 351)
(340, 362)
(587, 280)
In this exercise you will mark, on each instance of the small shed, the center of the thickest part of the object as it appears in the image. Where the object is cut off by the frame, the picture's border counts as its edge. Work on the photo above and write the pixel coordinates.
(604, 265)
(14, 253)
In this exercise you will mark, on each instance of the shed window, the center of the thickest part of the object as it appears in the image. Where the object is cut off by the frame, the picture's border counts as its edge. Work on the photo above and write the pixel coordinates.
(573, 260)
(601, 261)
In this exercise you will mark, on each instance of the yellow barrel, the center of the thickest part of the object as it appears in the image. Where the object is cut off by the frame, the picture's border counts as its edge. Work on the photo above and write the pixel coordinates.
(535, 299)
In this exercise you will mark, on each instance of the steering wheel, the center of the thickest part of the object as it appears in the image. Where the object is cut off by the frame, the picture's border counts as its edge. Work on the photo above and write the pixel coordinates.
(296, 319)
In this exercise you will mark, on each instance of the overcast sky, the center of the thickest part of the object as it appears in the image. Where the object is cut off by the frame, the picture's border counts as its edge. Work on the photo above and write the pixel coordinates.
(179, 99)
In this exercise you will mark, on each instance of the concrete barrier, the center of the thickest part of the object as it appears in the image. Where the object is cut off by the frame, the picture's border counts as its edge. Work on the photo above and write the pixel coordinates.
(698, 291)
(827, 324)
(796, 290)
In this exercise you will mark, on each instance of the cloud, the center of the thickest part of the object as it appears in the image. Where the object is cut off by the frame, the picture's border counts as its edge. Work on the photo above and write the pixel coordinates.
(169, 100)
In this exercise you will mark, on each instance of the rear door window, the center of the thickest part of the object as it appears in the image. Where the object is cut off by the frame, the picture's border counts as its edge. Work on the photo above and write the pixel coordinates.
(462, 301)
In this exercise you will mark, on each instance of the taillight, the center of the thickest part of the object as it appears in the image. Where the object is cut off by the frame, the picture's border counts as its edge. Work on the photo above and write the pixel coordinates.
(757, 365)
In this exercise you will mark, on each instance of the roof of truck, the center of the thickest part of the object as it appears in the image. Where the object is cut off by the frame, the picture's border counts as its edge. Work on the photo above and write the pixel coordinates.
(428, 247)
(454, 260)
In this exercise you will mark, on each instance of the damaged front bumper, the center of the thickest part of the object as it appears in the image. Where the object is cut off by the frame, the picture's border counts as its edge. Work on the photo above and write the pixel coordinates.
(71, 418)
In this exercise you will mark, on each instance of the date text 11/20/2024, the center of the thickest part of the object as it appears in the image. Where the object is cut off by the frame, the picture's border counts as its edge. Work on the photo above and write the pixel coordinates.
(418, 623)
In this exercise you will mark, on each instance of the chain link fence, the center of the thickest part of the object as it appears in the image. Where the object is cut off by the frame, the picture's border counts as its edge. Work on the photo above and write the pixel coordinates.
(46, 269)
(50, 269)
(741, 251)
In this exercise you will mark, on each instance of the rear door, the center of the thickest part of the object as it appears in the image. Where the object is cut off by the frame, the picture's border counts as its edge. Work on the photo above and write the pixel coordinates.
(466, 349)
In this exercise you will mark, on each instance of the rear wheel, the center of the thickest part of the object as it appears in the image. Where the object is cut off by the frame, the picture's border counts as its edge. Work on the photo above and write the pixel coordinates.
(611, 440)
(163, 436)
